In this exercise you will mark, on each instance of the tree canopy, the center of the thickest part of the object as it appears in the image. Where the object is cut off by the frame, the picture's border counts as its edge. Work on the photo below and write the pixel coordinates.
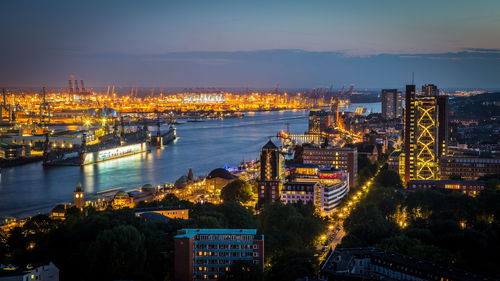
(436, 225)
(238, 190)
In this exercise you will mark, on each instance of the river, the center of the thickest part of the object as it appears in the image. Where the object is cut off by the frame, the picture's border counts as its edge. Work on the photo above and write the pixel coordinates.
(203, 146)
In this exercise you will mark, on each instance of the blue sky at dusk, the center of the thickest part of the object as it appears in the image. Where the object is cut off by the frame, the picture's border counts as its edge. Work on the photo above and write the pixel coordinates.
(452, 43)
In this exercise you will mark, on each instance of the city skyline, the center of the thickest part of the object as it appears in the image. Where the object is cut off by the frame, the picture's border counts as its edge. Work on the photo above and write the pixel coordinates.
(234, 44)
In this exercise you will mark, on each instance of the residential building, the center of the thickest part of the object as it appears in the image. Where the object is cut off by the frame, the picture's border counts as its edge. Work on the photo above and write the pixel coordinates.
(58, 212)
(305, 192)
(333, 188)
(272, 174)
(30, 272)
(343, 158)
(471, 188)
(325, 188)
(206, 254)
(377, 264)
(368, 150)
(396, 162)
(468, 168)
(319, 121)
(392, 104)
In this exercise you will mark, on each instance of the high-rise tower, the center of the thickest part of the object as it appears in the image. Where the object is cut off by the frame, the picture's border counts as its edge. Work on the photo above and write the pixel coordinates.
(426, 132)
(272, 173)
(391, 103)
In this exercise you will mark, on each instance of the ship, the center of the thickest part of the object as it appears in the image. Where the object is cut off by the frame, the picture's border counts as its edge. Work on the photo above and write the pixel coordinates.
(162, 139)
(111, 148)
(92, 157)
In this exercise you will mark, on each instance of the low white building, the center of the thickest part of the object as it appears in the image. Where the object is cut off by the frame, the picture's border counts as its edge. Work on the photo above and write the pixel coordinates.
(42, 272)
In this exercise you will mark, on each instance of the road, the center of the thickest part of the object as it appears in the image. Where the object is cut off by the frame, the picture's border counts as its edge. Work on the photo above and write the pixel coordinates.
(331, 239)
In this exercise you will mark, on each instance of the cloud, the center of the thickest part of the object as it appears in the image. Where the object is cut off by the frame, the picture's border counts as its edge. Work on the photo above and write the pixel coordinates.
(482, 50)
(296, 68)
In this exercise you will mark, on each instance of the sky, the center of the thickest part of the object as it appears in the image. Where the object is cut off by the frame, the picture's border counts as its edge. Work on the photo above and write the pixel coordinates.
(189, 43)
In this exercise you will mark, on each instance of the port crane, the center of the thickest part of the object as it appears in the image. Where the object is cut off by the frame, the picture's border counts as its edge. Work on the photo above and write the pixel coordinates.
(6, 107)
(44, 110)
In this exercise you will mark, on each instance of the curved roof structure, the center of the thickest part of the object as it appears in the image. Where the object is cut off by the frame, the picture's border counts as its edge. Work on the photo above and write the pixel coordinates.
(221, 173)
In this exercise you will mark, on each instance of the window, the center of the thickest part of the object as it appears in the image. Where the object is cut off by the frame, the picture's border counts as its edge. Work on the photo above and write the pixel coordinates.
(255, 246)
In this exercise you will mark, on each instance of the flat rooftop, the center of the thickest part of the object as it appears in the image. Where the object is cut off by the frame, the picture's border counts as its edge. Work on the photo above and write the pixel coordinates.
(191, 232)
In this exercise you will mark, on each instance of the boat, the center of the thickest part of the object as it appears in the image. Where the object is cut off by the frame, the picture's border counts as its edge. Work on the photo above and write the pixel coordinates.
(162, 139)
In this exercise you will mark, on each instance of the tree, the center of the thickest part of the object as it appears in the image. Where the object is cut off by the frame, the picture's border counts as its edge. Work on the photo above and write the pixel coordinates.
(289, 226)
(389, 178)
(118, 253)
(493, 184)
(292, 264)
(238, 190)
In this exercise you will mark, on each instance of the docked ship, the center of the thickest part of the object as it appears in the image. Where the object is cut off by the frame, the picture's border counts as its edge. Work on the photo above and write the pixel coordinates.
(91, 157)
(111, 146)
(162, 139)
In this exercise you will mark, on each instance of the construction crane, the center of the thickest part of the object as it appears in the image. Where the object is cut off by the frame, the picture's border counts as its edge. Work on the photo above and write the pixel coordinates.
(350, 90)
(341, 91)
(6, 107)
(44, 110)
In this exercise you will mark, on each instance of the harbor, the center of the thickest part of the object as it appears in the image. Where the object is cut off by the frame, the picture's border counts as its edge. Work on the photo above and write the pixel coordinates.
(31, 188)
